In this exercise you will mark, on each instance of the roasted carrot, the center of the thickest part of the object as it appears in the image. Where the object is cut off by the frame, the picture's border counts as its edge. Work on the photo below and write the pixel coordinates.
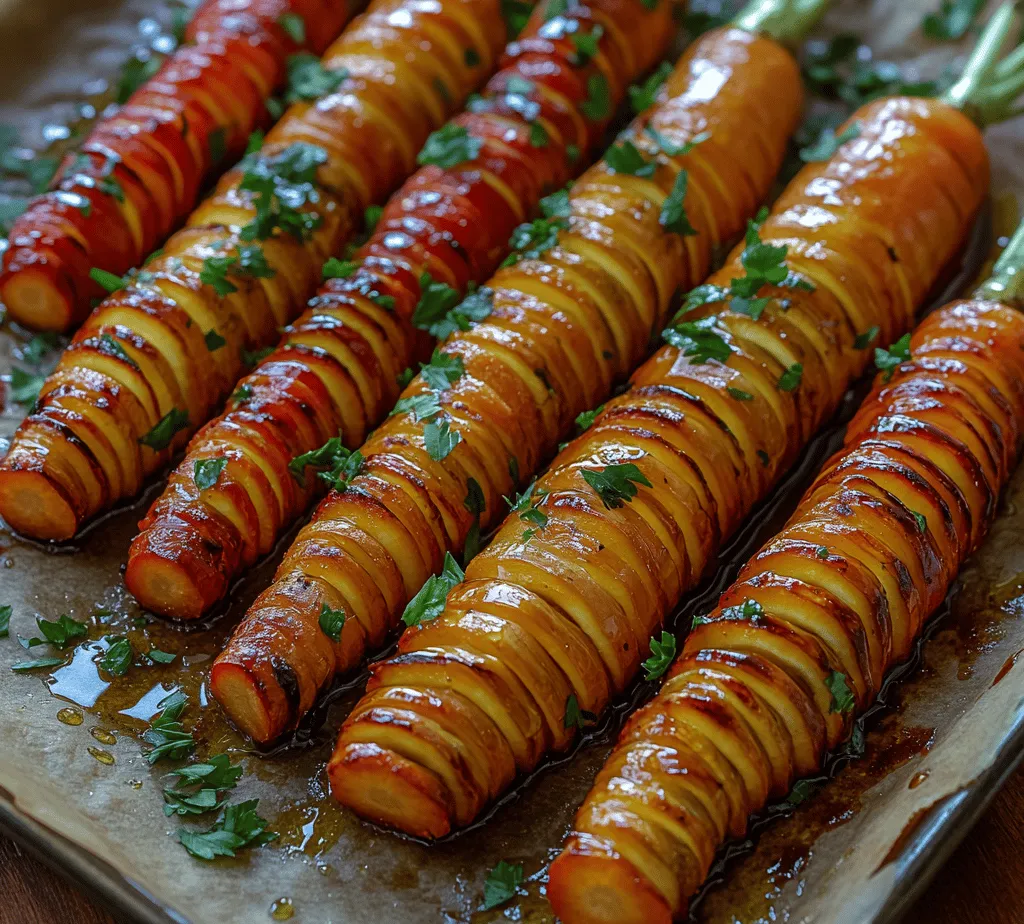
(569, 316)
(556, 616)
(157, 357)
(775, 674)
(141, 170)
(338, 367)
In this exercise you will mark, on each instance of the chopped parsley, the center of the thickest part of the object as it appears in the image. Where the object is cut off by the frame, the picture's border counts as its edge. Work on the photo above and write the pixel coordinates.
(449, 146)
(626, 158)
(842, 697)
(527, 508)
(429, 603)
(476, 504)
(515, 13)
(738, 393)
(59, 632)
(699, 340)
(241, 394)
(586, 45)
(213, 777)
(251, 358)
(332, 622)
(586, 419)
(111, 282)
(576, 717)
(134, 73)
(249, 261)
(534, 238)
(616, 484)
(501, 884)
(662, 653)
(206, 472)
(598, 104)
(308, 79)
(887, 360)
(237, 826)
(337, 465)
(294, 26)
(118, 657)
(643, 96)
(213, 340)
(673, 217)
(5, 620)
(921, 520)
(25, 387)
(172, 423)
(748, 609)
(443, 371)
(828, 143)
(112, 346)
(863, 341)
(339, 269)
(281, 184)
(791, 378)
(439, 439)
(166, 733)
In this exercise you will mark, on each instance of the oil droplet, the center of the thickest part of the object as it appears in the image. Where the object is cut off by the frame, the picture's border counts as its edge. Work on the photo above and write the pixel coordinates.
(918, 779)
(79, 680)
(149, 705)
(70, 716)
(104, 757)
(102, 735)
(282, 909)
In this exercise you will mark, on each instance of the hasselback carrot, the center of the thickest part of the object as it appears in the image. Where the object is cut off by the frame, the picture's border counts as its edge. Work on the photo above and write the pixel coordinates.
(338, 366)
(141, 170)
(555, 617)
(774, 676)
(157, 356)
(573, 313)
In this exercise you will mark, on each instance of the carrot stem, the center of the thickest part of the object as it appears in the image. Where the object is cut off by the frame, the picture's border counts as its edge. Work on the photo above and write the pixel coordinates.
(786, 21)
(991, 82)
(1006, 284)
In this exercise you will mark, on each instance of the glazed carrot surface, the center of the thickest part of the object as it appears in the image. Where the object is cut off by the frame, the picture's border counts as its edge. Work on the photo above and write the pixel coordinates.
(556, 615)
(774, 676)
(571, 316)
(141, 170)
(157, 357)
(338, 368)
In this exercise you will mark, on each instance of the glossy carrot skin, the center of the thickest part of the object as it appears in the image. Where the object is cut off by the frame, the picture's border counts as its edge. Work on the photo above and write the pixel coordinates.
(843, 590)
(564, 327)
(337, 367)
(145, 166)
(871, 229)
(146, 351)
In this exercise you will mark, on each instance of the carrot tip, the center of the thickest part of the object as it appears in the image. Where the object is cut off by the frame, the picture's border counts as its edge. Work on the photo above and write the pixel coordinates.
(164, 587)
(383, 787)
(32, 505)
(240, 697)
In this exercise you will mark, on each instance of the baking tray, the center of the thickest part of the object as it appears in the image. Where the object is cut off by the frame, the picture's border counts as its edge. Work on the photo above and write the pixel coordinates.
(81, 796)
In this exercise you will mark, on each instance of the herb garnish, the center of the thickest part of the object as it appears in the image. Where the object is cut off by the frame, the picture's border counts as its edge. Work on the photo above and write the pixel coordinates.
(118, 657)
(616, 484)
(331, 622)
(238, 826)
(206, 472)
(842, 697)
(576, 717)
(308, 79)
(449, 146)
(501, 884)
(429, 603)
(888, 360)
(662, 653)
(166, 733)
(165, 429)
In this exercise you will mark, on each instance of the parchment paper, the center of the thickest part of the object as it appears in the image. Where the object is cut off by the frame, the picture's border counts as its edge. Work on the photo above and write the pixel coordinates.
(832, 860)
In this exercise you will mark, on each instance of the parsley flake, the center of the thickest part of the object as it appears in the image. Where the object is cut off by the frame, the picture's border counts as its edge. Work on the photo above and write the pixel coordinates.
(626, 158)
(439, 439)
(206, 472)
(308, 79)
(118, 657)
(863, 341)
(842, 696)
(450, 146)
(699, 340)
(673, 217)
(952, 20)
(828, 143)
(791, 378)
(887, 360)
(616, 484)
(501, 884)
(598, 104)
(576, 717)
(643, 96)
(165, 429)
(166, 733)
(662, 653)
(429, 603)
(238, 826)
(332, 622)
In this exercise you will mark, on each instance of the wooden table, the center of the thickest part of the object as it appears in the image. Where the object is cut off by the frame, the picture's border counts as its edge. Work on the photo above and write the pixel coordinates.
(983, 882)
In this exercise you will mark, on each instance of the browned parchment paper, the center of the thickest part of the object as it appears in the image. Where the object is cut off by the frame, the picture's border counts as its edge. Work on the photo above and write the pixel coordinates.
(839, 857)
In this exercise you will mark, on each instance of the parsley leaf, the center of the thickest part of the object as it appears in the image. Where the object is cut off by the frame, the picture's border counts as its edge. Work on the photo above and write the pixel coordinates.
(802, 791)
(332, 622)
(501, 884)
(449, 146)
(863, 341)
(616, 484)
(165, 429)
(294, 25)
(5, 620)
(662, 653)
(673, 215)
(748, 609)
(22, 666)
(598, 104)
(160, 657)
(134, 73)
(475, 503)
(282, 182)
(443, 370)
(888, 360)
(699, 340)
(626, 158)
(166, 733)
(429, 603)
(828, 143)
(217, 773)
(250, 261)
(842, 697)
(921, 520)
(59, 632)
(308, 79)
(527, 508)
(586, 45)
(423, 406)
(251, 358)
(238, 826)
(439, 439)
(515, 13)
(791, 378)
(339, 269)
(534, 238)
(738, 393)
(338, 465)
(643, 96)
(585, 419)
(576, 717)
(118, 657)
(207, 472)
